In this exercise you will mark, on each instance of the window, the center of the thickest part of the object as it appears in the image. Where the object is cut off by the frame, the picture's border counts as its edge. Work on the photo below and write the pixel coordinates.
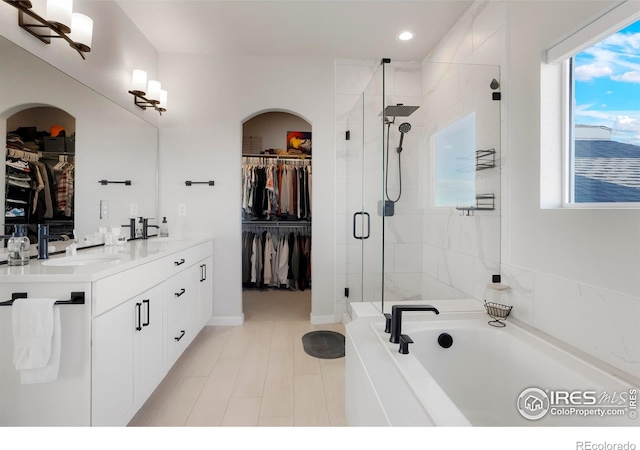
(604, 144)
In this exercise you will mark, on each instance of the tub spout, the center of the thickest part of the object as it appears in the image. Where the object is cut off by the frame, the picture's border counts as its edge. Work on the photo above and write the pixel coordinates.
(396, 318)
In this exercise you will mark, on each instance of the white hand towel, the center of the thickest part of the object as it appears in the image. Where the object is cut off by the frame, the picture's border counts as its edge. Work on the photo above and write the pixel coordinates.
(37, 339)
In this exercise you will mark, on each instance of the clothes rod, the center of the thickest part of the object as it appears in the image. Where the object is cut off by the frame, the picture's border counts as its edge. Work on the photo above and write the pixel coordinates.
(105, 182)
(283, 223)
(300, 157)
(77, 298)
(190, 183)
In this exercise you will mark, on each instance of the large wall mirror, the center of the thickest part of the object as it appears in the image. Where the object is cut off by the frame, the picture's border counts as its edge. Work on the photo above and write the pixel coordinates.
(107, 141)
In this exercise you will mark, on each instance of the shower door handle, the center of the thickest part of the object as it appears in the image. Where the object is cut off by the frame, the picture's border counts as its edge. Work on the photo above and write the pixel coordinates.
(355, 228)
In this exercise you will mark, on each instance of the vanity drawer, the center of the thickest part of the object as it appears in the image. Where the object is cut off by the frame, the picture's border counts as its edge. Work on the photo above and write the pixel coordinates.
(111, 291)
(188, 257)
(178, 337)
(180, 293)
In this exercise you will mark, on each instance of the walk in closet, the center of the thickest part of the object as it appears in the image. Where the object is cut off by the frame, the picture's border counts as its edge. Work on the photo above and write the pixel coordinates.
(277, 205)
(40, 171)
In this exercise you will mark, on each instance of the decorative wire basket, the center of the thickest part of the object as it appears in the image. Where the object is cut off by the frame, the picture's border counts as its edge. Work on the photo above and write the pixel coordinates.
(498, 312)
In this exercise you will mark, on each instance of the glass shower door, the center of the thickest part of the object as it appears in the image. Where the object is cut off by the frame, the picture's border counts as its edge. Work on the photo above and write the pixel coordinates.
(364, 193)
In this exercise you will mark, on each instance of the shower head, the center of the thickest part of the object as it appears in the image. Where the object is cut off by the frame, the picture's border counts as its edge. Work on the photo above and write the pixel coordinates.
(404, 127)
(399, 110)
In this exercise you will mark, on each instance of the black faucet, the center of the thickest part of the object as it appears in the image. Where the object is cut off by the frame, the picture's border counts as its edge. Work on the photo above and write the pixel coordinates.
(132, 228)
(43, 240)
(145, 228)
(396, 318)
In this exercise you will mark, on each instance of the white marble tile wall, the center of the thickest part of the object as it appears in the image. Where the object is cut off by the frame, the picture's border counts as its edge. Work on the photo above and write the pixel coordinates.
(601, 323)
(460, 253)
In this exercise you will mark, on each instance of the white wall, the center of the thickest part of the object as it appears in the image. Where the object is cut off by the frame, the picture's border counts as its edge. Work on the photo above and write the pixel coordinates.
(202, 140)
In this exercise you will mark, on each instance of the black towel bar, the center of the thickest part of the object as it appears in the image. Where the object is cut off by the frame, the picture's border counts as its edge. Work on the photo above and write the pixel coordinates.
(190, 183)
(77, 298)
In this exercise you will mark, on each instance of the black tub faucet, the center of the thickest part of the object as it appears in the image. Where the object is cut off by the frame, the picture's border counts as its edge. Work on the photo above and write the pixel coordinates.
(396, 318)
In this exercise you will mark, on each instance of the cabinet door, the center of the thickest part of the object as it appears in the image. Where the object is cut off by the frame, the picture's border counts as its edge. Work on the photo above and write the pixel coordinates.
(112, 364)
(206, 291)
(149, 355)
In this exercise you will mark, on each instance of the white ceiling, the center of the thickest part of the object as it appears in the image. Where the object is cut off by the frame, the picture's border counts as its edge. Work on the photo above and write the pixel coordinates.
(327, 29)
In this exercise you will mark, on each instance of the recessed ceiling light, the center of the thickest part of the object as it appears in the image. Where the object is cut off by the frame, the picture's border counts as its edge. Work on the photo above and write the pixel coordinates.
(406, 35)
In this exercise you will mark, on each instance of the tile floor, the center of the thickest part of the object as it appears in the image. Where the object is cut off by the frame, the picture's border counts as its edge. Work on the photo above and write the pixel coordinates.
(256, 374)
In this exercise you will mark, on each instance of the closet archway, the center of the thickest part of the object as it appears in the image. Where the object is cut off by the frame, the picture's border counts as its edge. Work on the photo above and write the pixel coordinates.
(277, 209)
(39, 169)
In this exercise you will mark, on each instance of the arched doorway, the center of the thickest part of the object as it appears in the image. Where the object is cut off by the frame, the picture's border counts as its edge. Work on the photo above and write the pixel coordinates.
(39, 170)
(276, 216)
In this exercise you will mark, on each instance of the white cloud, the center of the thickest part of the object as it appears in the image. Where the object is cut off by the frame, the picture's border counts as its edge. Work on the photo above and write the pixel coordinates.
(588, 72)
(628, 77)
(626, 123)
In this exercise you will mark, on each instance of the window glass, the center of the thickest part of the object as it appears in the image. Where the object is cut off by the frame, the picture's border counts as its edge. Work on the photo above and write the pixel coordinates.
(605, 152)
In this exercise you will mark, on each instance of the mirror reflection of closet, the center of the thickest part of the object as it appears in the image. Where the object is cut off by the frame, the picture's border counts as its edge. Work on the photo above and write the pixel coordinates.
(40, 171)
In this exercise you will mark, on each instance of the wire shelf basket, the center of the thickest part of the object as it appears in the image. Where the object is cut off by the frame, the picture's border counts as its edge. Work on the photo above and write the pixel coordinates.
(497, 312)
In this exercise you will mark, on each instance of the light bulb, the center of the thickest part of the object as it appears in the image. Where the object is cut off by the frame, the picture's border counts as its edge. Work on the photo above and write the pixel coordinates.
(81, 31)
(139, 82)
(153, 91)
(59, 13)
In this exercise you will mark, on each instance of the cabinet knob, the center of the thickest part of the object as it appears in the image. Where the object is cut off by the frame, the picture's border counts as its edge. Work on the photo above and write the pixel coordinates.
(181, 336)
(179, 263)
(182, 291)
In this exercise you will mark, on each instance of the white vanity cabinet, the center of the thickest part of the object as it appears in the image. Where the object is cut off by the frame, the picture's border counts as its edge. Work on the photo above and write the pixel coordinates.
(127, 357)
(142, 309)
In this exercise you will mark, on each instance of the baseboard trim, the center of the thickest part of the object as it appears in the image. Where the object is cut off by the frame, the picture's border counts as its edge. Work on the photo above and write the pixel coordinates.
(320, 320)
(226, 321)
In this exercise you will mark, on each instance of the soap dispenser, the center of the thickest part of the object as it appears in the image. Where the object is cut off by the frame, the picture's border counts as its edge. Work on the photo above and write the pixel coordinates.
(164, 228)
(18, 247)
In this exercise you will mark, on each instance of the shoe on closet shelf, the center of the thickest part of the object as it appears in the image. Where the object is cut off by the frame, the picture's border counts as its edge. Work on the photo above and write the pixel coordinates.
(14, 212)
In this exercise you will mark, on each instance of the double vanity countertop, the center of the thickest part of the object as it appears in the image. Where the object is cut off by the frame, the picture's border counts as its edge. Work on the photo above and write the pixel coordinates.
(96, 262)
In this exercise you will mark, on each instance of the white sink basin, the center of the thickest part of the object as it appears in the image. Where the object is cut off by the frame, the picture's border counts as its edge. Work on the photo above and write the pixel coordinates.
(79, 260)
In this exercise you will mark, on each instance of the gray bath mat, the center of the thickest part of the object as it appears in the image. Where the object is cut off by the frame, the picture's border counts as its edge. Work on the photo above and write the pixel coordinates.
(324, 344)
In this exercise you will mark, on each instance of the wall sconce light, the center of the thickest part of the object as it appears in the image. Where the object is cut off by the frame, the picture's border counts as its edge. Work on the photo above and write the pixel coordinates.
(76, 29)
(147, 95)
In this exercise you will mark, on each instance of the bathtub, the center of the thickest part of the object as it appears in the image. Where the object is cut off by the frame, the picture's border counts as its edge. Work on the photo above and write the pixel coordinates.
(488, 377)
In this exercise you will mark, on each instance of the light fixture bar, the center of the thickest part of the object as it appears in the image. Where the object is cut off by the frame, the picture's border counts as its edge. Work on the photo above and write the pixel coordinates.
(24, 8)
(142, 102)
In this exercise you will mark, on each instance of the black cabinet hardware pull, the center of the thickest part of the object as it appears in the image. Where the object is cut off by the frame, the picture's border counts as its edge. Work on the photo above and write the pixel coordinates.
(146, 324)
(179, 263)
(203, 272)
(182, 291)
(180, 337)
(139, 308)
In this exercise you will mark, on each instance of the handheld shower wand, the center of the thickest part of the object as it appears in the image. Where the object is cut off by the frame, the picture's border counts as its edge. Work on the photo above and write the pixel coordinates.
(403, 128)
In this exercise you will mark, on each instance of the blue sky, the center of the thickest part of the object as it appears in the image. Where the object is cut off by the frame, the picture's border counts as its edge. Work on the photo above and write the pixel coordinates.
(607, 85)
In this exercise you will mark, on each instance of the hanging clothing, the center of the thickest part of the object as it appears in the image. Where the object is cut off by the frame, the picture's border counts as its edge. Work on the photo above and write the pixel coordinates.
(275, 190)
(279, 261)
